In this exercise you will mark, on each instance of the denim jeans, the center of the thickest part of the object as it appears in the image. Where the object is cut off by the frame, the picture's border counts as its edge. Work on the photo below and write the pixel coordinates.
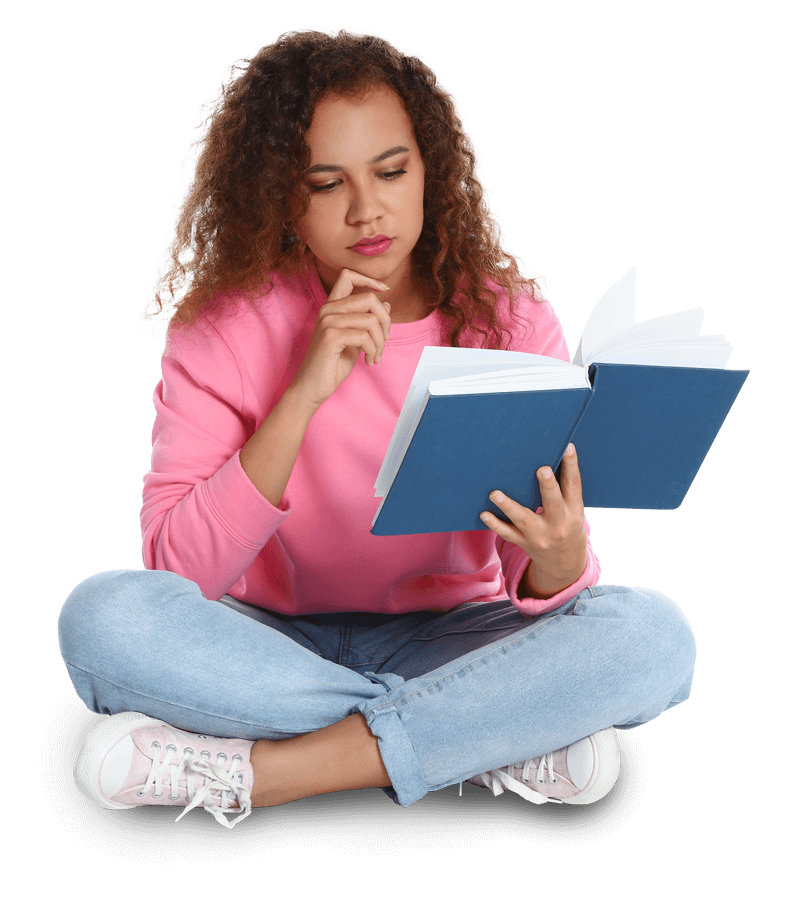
(447, 694)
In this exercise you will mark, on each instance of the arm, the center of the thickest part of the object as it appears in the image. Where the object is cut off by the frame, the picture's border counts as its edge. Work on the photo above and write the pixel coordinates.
(201, 516)
(214, 495)
(268, 457)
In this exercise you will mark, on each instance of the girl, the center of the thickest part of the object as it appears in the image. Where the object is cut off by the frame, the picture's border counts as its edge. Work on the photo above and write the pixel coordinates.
(273, 648)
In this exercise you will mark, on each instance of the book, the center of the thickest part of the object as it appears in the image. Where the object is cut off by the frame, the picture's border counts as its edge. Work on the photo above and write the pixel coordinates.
(641, 402)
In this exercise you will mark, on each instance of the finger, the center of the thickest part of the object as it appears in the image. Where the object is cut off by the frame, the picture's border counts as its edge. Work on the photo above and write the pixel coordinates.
(349, 280)
(360, 302)
(506, 531)
(571, 487)
(523, 519)
(357, 279)
(552, 500)
(358, 331)
(357, 321)
(342, 339)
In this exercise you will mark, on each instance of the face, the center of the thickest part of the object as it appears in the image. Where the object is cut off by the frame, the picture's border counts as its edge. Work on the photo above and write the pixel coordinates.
(367, 181)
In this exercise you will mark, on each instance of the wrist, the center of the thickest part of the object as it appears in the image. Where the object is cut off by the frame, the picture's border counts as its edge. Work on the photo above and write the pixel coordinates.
(301, 406)
(541, 585)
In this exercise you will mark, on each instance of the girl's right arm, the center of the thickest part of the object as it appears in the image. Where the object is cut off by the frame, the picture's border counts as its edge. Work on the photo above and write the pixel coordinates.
(349, 323)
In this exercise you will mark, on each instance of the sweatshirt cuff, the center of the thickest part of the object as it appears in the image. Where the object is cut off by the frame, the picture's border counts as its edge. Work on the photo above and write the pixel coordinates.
(239, 506)
(531, 607)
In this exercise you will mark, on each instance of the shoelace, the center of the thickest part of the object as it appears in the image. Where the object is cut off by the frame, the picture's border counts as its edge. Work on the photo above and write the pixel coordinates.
(504, 776)
(216, 782)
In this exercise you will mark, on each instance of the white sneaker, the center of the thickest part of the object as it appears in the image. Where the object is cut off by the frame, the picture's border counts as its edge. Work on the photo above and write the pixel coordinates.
(578, 774)
(129, 760)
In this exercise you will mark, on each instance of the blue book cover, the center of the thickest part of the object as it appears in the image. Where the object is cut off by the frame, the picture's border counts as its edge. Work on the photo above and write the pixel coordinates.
(641, 434)
(642, 403)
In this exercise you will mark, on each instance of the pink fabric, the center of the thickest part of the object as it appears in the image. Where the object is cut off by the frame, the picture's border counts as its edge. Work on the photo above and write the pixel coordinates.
(204, 519)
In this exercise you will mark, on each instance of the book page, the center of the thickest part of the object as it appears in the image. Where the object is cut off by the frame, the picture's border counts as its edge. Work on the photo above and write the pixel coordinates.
(611, 335)
(667, 328)
(712, 352)
(546, 374)
(613, 312)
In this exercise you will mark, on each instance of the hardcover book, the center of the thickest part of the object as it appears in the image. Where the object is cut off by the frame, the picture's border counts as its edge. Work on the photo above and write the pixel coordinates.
(641, 402)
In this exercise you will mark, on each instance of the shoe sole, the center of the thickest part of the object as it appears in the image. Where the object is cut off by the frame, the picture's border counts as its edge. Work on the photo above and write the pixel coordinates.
(606, 771)
(96, 746)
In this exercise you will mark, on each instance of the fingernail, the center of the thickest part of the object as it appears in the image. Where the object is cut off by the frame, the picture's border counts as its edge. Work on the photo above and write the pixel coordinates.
(388, 307)
(570, 450)
(484, 517)
(545, 473)
(497, 497)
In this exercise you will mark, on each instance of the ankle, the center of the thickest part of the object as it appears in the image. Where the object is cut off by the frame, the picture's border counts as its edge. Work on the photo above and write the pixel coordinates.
(272, 773)
(339, 757)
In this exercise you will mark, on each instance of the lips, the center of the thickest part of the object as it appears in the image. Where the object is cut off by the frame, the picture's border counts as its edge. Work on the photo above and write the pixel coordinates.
(372, 246)
(367, 241)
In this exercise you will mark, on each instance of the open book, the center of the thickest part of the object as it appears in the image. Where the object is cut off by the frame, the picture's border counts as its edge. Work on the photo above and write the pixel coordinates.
(641, 402)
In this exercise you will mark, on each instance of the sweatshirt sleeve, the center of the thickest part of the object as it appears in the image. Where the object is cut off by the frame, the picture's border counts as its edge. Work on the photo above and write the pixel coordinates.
(202, 517)
(544, 337)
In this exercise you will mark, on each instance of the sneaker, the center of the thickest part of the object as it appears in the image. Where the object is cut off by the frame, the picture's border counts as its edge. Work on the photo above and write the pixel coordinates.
(578, 774)
(129, 760)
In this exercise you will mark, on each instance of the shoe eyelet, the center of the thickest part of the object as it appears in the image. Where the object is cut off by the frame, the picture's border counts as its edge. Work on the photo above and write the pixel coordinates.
(554, 781)
(188, 750)
(206, 755)
(238, 758)
(155, 744)
(173, 797)
(171, 746)
(221, 757)
(526, 780)
(540, 782)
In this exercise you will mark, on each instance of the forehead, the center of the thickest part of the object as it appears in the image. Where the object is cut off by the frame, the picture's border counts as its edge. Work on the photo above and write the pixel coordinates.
(357, 128)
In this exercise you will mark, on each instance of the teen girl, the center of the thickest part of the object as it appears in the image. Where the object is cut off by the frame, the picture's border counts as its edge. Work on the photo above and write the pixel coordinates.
(273, 648)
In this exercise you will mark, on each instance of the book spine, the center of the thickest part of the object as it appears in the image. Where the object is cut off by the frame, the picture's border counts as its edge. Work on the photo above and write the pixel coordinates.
(557, 461)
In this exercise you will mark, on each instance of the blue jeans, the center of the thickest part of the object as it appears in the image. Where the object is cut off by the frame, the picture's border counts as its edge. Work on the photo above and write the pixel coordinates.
(448, 695)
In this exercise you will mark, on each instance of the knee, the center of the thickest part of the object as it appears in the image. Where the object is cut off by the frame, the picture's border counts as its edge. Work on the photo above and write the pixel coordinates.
(656, 632)
(101, 610)
(666, 636)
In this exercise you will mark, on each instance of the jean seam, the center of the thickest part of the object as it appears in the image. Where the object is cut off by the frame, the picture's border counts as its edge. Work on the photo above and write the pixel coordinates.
(457, 633)
(194, 710)
(525, 633)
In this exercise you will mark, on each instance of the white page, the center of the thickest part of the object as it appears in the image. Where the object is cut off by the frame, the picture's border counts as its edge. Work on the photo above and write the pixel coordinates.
(613, 312)
(543, 376)
(709, 353)
(665, 329)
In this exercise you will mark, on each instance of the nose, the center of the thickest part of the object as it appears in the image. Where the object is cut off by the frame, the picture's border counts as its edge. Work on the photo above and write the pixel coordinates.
(365, 205)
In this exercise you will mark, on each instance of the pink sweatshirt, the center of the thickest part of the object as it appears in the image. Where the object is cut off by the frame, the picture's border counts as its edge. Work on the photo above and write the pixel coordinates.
(204, 519)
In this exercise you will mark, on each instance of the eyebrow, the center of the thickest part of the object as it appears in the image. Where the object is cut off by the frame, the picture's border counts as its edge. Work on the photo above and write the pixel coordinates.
(385, 155)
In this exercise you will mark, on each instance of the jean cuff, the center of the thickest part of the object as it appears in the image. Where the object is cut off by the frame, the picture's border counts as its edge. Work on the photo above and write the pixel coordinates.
(398, 754)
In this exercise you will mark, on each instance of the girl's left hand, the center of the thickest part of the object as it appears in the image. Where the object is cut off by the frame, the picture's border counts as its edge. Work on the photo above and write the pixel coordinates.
(554, 540)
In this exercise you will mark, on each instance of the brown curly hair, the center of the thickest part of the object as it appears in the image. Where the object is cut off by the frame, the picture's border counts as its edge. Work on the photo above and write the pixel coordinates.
(236, 223)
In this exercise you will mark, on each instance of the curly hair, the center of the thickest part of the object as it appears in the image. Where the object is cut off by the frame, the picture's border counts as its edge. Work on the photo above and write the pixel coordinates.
(236, 225)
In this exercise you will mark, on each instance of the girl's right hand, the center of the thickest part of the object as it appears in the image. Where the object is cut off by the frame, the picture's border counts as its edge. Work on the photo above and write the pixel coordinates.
(349, 323)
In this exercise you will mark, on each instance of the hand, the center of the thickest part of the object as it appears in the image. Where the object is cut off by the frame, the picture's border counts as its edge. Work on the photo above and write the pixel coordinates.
(349, 323)
(554, 540)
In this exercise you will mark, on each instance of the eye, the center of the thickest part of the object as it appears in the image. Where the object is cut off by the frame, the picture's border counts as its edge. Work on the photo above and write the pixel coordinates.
(330, 186)
(324, 188)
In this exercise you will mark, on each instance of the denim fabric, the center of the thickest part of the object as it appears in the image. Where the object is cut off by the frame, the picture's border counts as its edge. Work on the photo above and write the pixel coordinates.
(448, 695)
